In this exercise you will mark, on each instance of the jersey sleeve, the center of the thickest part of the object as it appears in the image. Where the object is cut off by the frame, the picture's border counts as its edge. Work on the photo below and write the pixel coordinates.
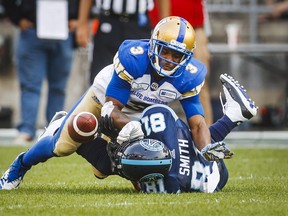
(192, 106)
(130, 62)
(194, 79)
(118, 89)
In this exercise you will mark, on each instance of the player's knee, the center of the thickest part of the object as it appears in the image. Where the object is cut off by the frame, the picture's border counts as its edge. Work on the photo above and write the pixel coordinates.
(64, 150)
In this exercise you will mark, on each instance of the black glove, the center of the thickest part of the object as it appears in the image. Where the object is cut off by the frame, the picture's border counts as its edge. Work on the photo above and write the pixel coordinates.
(106, 127)
(111, 150)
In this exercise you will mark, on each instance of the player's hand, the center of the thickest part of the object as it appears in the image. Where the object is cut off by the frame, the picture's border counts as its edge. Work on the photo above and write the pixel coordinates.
(106, 127)
(107, 109)
(106, 123)
(111, 150)
(216, 151)
(132, 130)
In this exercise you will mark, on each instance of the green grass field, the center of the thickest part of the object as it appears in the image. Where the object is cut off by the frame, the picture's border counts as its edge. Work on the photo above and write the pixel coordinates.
(258, 185)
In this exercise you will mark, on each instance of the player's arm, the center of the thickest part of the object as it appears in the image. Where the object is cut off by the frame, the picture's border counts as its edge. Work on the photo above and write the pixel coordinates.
(192, 106)
(117, 95)
(200, 132)
(119, 118)
(118, 92)
(196, 121)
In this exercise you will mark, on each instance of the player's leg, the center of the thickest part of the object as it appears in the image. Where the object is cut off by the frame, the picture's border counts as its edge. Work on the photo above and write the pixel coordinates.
(237, 109)
(41, 151)
(60, 144)
(95, 152)
(65, 145)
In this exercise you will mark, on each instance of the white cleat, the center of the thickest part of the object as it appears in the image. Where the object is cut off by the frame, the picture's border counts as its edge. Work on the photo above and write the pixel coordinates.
(14, 175)
(238, 107)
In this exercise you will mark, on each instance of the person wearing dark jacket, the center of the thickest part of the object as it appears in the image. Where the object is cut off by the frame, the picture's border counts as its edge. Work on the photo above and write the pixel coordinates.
(42, 54)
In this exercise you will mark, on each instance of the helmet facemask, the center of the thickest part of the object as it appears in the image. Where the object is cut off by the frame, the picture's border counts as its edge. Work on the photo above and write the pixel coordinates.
(176, 34)
(157, 47)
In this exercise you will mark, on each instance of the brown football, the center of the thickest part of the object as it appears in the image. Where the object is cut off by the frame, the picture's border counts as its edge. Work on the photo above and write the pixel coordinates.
(83, 127)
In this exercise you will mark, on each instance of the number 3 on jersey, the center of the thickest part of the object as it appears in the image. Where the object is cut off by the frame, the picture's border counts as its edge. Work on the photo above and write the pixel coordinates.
(154, 123)
(136, 50)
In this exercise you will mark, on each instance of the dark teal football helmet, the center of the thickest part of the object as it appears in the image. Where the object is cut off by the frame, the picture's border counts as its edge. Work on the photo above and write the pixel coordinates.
(143, 160)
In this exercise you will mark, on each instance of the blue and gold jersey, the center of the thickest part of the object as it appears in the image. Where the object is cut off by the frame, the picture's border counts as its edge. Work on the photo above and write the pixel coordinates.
(134, 85)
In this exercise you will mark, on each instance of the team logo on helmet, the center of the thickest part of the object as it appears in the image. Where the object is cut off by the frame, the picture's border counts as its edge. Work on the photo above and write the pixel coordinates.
(178, 44)
(152, 145)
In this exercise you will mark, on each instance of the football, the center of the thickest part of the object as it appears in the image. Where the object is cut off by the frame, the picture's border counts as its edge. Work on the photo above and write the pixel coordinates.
(83, 127)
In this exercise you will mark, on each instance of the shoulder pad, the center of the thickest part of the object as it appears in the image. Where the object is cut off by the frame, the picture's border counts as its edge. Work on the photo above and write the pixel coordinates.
(193, 78)
(131, 60)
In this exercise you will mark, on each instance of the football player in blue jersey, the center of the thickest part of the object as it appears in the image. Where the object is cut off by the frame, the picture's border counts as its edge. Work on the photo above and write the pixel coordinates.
(189, 171)
(144, 72)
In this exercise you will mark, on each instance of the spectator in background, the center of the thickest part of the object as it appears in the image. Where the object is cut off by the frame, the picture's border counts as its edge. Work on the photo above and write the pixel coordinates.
(117, 20)
(39, 57)
(195, 13)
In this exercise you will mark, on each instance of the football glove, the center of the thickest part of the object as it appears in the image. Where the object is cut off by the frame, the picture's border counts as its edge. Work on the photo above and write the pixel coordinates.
(107, 108)
(216, 151)
(106, 127)
(132, 130)
(111, 149)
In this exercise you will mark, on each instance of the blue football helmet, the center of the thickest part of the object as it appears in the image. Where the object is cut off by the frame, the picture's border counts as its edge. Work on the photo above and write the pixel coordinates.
(143, 160)
(174, 33)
